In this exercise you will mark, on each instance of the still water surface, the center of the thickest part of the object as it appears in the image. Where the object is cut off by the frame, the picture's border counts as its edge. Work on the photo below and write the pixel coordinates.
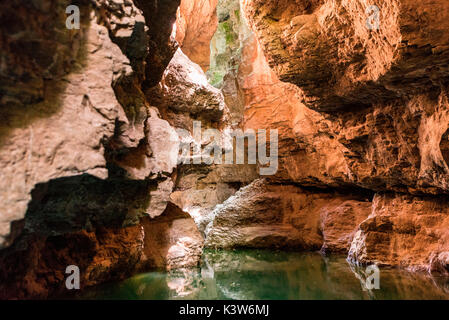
(262, 274)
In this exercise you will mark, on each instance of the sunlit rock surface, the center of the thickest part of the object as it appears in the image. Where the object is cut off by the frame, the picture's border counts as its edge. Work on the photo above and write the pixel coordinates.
(341, 59)
(382, 112)
(92, 121)
(63, 135)
(34, 267)
(285, 216)
(84, 157)
(266, 274)
(196, 23)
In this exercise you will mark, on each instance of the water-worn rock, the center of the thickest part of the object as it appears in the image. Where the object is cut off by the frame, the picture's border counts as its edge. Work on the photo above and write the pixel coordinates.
(184, 93)
(172, 240)
(309, 152)
(63, 142)
(64, 134)
(404, 230)
(199, 188)
(261, 215)
(160, 17)
(35, 267)
(156, 155)
(382, 98)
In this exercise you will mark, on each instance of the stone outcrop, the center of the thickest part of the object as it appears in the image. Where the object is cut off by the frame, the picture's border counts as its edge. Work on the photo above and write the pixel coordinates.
(404, 230)
(35, 267)
(196, 23)
(86, 162)
(381, 95)
(92, 121)
(171, 241)
(41, 142)
(343, 57)
(200, 188)
(264, 215)
(184, 95)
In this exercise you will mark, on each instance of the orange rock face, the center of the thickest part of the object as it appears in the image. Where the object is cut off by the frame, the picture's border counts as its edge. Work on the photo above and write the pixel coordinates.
(407, 231)
(343, 56)
(263, 215)
(36, 267)
(196, 23)
(308, 151)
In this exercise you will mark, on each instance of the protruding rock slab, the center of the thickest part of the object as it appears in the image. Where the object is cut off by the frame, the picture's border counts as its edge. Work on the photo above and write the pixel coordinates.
(261, 215)
(407, 231)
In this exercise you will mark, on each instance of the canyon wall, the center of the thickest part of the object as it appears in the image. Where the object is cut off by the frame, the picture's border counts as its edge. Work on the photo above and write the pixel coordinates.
(87, 162)
(378, 93)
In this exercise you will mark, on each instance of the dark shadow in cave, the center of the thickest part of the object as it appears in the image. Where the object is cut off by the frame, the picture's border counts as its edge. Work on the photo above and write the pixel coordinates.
(55, 230)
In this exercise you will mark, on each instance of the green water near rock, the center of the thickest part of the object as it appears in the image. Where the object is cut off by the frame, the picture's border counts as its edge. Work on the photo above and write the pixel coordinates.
(263, 274)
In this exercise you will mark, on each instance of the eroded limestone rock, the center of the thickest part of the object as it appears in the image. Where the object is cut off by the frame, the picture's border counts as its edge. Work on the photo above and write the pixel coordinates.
(285, 216)
(35, 266)
(196, 23)
(341, 59)
(404, 230)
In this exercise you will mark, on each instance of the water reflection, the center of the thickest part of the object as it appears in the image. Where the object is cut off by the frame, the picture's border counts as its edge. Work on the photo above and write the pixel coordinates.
(261, 274)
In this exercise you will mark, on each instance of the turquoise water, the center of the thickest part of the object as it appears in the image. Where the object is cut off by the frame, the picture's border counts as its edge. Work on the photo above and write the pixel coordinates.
(262, 274)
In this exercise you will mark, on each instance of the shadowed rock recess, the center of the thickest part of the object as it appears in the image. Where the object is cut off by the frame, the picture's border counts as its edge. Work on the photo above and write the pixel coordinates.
(92, 121)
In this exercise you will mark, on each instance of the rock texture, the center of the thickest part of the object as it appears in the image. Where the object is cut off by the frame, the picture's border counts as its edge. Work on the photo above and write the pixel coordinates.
(196, 23)
(371, 132)
(381, 95)
(41, 142)
(263, 215)
(92, 121)
(404, 230)
(35, 266)
(86, 161)
(341, 57)
(184, 95)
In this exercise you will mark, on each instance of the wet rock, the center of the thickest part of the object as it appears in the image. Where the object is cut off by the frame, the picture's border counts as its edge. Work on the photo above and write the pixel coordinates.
(261, 215)
(342, 58)
(196, 23)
